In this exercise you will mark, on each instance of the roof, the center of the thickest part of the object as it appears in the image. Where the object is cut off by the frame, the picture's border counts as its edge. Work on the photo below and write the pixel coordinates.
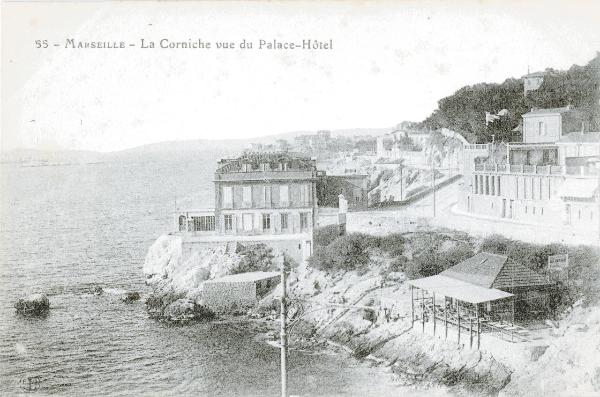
(581, 137)
(535, 112)
(244, 277)
(459, 289)
(581, 188)
(494, 271)
(480, 269)
(535, 74)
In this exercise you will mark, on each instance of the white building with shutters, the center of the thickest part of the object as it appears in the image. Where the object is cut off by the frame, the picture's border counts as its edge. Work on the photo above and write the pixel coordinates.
(259, 197)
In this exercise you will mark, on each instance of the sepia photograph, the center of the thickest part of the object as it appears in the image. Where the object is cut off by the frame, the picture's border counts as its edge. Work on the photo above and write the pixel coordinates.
(300, 198)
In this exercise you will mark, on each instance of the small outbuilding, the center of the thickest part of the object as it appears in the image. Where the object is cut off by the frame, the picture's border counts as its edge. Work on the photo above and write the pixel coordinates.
(486, 289)
(238, 292)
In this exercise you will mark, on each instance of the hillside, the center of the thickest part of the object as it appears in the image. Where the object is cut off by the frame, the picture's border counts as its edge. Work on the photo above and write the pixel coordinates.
(464, 111)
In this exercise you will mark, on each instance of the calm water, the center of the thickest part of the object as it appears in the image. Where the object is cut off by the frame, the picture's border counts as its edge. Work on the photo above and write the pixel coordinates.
(65, 229)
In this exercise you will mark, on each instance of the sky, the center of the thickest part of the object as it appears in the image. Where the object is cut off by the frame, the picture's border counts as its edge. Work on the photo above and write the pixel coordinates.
(390, 61)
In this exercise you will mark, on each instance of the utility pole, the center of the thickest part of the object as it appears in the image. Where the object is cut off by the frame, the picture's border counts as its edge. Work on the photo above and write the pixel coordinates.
(433, 182)
(283, 341)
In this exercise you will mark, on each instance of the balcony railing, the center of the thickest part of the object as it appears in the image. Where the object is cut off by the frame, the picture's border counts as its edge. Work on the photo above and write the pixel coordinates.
(538, 169)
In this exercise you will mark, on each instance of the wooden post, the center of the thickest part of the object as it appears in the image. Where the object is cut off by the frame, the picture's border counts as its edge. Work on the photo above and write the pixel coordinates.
(471, 332)
(433, 301)
(283, 331)
(423, 308)
(412, 305)
(513, 320)
(458, 318)
(446, 315)
(513, 311)
(478, 326)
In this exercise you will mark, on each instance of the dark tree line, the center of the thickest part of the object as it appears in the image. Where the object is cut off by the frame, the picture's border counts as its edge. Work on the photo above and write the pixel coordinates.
(464, 111)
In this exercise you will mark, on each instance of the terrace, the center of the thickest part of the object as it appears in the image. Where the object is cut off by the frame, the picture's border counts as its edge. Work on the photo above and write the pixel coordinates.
(584, 171)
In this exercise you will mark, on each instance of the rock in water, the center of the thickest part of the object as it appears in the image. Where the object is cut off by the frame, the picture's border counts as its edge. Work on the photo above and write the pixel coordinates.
(98, 290)
(186, 310)
(131, 296)
(33, 305)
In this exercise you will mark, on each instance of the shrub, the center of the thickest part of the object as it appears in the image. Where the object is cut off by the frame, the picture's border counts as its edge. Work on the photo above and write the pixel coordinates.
(255, 258)
(496, 244)
(392, 244)
(398, 264)
(349, 252)
(325, 235)
(455, 255)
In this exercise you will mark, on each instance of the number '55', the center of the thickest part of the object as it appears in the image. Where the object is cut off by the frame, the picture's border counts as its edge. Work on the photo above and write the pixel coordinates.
(41, 44)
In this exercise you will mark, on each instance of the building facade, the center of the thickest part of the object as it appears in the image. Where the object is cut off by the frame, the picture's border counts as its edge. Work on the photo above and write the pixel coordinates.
(532, 81)
(265, 198)
(272, 195)
(548, 179)
(354, 188)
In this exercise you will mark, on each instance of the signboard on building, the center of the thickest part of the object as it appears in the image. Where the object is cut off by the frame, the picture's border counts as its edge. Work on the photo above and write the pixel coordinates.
(558, 267)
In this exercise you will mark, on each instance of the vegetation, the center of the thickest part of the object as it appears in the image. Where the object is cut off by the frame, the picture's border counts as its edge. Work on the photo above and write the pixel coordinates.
(583, 266)
(325, 235)
(464, 111)
(351, 251)
(255, 258)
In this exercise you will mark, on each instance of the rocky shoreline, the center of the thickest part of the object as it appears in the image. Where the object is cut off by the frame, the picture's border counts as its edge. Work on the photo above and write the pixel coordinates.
(320, 322)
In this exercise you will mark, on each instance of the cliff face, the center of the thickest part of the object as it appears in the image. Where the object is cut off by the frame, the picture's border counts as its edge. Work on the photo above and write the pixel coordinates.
(177, 284)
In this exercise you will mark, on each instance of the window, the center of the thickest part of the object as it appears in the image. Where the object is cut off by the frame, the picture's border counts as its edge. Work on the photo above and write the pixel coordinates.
(247, 221)
(182, 222)
(266, 221)
(228, 196)
(476, 191)
(228, 222)
(247, 196)
(498, 187)
(541, 128)
(284, 195)
(284, 221)
(303, 220)
(267, 195)
(203, 223)
(304, 194)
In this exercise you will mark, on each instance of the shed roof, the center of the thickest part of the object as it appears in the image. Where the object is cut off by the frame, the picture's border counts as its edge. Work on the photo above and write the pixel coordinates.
(494, 271)
(481, 269)
(535, 74)
(534, 112)
(245, 277)
(458, 289)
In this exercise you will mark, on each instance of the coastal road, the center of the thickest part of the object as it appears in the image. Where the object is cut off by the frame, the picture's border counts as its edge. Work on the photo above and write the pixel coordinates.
(419, 215)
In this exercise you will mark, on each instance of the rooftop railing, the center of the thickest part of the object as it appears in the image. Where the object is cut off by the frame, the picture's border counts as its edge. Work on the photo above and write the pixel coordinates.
(538, 169)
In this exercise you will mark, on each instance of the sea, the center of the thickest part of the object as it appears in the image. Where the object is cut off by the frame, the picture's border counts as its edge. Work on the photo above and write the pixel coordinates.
(67, 228)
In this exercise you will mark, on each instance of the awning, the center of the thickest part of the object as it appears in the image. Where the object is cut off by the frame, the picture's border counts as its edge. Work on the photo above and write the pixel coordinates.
(581, 188)
(458, 289)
